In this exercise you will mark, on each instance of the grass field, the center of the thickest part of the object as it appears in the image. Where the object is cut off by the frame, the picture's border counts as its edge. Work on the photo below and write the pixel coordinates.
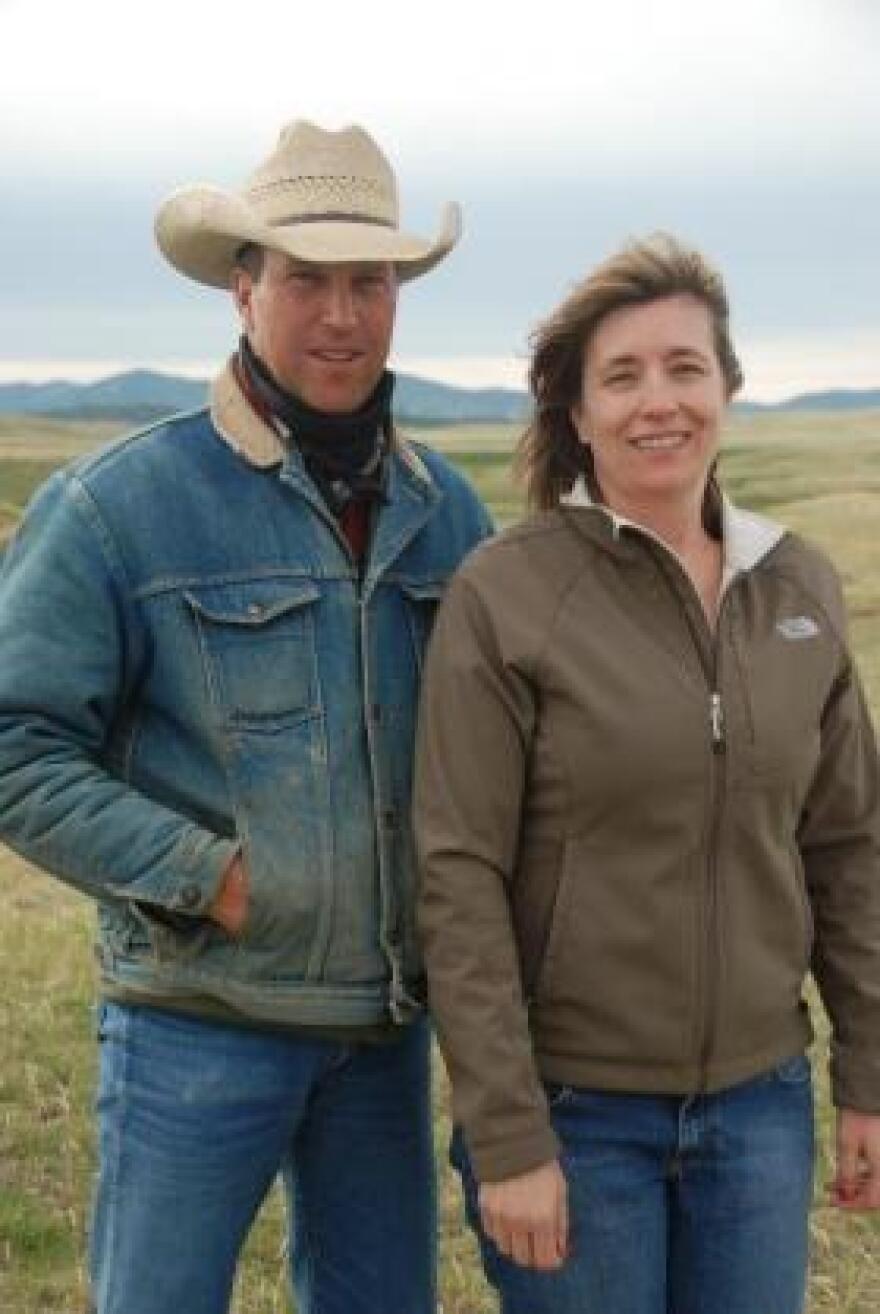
(819, 474)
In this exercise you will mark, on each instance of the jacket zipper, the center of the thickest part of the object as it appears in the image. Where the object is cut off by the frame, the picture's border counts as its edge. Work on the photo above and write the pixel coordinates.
(712, 947)
(709, 967)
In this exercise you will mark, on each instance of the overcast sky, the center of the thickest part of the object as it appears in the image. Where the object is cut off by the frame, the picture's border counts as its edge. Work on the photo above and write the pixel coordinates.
(751, 129)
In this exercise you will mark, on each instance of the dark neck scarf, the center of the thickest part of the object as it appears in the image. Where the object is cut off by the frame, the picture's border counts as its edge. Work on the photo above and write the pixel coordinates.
(343, 454)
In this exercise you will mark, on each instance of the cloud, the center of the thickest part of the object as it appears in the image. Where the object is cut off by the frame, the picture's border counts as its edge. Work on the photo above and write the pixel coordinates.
(751, 129)
(647, 83)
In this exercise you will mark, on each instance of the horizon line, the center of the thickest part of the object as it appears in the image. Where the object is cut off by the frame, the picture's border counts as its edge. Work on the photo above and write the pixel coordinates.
(782, 380)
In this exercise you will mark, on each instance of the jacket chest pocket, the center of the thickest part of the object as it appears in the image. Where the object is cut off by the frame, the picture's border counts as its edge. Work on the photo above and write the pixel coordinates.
(257, 642)
(784, 686)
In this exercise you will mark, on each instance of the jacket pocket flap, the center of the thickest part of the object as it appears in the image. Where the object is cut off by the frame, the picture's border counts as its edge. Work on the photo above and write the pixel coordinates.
(251, 604)
(427, 590)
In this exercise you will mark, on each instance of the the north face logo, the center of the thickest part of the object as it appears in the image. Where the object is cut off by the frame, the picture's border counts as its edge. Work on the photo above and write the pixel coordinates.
(797, 627)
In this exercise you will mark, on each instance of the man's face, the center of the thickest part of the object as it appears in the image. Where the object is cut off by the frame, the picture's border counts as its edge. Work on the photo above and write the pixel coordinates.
(322, 331)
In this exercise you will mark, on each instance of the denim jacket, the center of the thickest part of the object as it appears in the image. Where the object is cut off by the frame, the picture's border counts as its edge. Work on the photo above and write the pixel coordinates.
(192, 665)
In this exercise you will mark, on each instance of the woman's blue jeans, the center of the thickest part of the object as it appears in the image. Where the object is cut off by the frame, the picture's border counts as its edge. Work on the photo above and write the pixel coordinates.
(196, 1120)
(677, 1206)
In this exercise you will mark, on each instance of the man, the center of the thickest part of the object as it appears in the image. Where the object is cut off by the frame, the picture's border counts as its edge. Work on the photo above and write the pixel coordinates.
(212, 636)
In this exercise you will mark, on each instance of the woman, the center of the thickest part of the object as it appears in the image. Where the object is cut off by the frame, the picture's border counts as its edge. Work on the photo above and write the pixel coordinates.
(647, 805)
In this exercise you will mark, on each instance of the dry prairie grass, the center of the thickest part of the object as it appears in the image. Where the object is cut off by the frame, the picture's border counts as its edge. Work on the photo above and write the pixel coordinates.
(47, 1142)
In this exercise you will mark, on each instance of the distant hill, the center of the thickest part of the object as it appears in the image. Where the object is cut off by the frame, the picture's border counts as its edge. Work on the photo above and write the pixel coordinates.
(839, 399)
(144, 395)
(139, 396)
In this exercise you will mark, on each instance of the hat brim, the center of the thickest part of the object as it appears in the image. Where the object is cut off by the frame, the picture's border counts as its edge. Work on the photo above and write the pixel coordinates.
(200, 231)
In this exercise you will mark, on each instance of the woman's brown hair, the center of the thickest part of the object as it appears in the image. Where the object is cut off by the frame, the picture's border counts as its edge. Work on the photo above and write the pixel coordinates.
(550, 455)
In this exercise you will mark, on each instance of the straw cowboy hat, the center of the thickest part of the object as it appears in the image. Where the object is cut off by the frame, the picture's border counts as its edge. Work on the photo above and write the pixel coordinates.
(321, 196)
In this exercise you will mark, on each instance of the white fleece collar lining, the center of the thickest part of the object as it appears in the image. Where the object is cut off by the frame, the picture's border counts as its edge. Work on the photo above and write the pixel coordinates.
(746, 537)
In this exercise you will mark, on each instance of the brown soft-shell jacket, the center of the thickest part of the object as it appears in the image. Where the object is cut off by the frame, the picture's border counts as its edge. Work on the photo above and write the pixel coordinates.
(638, 835)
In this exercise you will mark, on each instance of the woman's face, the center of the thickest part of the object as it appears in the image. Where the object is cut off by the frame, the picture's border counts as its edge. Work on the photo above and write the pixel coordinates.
(652, 402)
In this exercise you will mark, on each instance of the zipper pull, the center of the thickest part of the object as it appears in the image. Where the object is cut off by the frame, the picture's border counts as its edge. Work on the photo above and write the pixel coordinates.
(716, 720)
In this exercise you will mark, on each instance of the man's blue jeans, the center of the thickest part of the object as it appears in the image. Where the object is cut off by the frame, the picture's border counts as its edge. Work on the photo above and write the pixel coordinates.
(677, 1206)
(196, 1120)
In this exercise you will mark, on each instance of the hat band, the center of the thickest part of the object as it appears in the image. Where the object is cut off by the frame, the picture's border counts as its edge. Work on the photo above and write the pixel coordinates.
(334, 215)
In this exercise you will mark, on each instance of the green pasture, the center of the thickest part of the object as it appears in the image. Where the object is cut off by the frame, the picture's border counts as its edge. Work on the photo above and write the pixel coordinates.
(820, 474)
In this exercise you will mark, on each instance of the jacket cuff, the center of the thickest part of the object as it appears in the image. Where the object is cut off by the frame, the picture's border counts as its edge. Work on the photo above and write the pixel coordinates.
(855, 1081)
(496, 1162)
(193, 872)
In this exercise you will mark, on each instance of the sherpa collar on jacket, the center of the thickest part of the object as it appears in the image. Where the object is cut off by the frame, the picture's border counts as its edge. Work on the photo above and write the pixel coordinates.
(256, 441)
